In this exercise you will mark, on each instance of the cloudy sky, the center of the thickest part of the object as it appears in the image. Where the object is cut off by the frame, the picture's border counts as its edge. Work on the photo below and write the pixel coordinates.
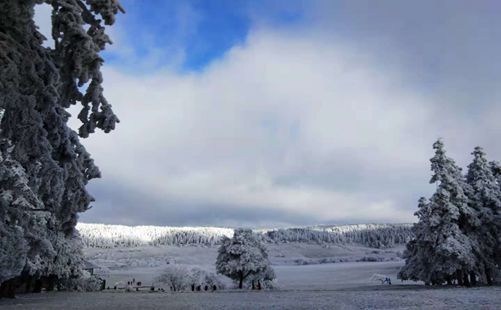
(273, 113)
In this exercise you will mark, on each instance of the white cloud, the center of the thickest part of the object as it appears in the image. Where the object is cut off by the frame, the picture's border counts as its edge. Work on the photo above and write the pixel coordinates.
(278, 108)
(299, 122)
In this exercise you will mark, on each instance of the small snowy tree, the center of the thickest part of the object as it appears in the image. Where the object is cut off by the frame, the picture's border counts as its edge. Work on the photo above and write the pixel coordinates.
(180, 278)
(243, 256)
(202, 277)
(177, 277)
(485, 199)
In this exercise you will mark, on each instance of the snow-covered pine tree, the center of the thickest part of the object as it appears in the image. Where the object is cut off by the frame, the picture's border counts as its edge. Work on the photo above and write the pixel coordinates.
(26, 251)
(449, 216)
(496, 171)
(418, 250)
(13, 245)
(485, 199)
(37, 85)
(244, 256)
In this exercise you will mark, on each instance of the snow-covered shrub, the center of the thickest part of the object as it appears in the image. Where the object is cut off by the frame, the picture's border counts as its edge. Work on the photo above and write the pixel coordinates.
(370, 259)
(85, 282)
(202, 277)
(182, 278)
(265, 279)
(244, 257)
(177, 277)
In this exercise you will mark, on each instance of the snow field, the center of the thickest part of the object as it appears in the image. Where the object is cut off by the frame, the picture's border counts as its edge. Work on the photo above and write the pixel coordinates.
(342, 292)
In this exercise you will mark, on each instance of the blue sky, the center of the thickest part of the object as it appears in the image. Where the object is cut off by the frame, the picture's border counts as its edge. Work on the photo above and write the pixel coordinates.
(201, 30)
(275, 113)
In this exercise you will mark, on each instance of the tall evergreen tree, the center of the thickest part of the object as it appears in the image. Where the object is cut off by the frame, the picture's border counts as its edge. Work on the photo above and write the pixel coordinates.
(37, 86)
(485, 199)
(418, 250)
(441, 228)
(496, 171)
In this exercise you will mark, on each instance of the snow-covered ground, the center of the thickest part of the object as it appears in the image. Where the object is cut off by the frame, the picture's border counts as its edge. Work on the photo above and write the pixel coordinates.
(280, 254)
(324, 286)
(309, 276)
(297, 265)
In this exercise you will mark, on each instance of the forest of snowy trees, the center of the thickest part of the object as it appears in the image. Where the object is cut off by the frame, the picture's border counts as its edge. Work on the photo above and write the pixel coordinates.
(458, 236)
(371, 235)
(44, 169)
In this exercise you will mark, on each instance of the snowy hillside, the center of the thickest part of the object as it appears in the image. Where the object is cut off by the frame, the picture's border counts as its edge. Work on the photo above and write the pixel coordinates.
(370, 235)
(107, 236)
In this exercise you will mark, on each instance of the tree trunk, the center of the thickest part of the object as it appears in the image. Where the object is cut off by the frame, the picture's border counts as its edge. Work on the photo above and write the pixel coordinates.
(241, 282)
(488, 276)
(29, 284)
(50, 285)
(466, 282)
(459, 275)
(8, 289)
(473, 278)
(38, 286)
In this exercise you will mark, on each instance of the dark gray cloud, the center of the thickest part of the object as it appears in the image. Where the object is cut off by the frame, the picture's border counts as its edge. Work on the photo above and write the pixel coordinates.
(449, 47)
(121, 204)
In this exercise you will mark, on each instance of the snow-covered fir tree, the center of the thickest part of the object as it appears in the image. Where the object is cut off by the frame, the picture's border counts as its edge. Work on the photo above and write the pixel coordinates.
(417, 254)
(243, 257)
(14, 205)
(37, 86)
(496, 171)
(485, 199)
(441, 231)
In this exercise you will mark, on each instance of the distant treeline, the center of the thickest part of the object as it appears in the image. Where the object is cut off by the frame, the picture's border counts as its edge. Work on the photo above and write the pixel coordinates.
(370, 235)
